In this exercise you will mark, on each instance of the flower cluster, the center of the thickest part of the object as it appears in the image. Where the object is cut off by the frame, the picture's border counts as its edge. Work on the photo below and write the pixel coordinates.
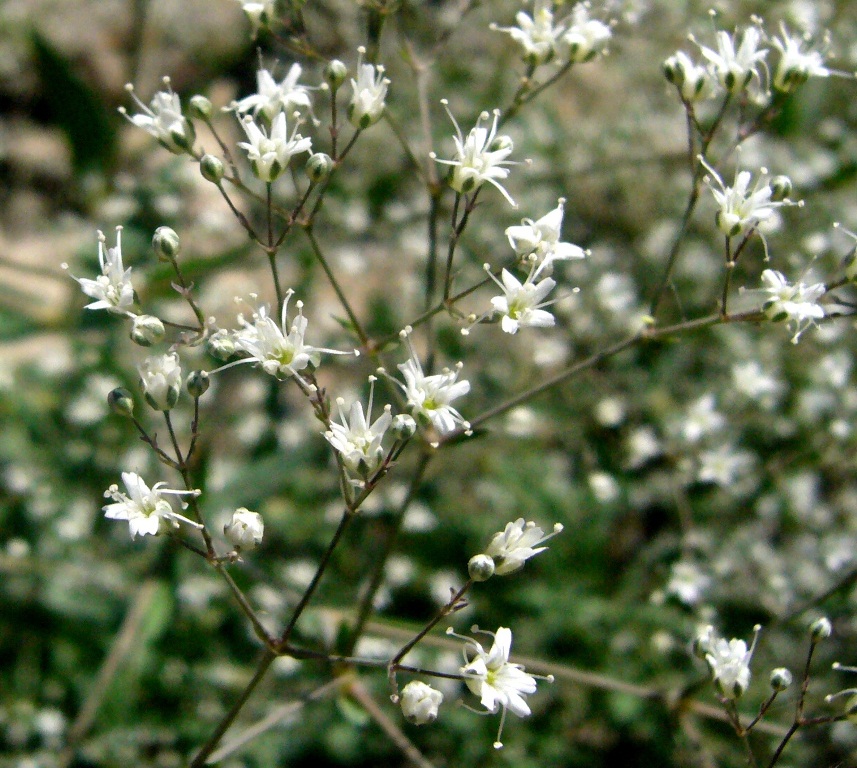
(575, 39)
(738, 62)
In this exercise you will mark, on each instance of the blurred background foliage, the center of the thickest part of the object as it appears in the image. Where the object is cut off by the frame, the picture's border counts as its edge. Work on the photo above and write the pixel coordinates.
(133, 650)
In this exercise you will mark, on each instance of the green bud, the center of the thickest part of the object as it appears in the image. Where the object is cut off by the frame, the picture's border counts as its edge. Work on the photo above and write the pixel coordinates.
(197, 383)
(820, 629)
(146, 330)
(211, 168)
(781, 679)
(200, 107)
(403, 426)
(121, 402)
(166, 244)
(480, 567)
(318, 166)
(781, 188)
(221, 345)
(335, 73)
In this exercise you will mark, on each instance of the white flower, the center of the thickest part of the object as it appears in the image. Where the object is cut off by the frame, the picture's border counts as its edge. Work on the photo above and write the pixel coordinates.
(795, 66)
(112, 289)
(368, 93)
(724, 465)
(280, 350)
(540, 239)
(742, 208)
(499, 683)
(420, 702)
(480, 157)
(245, 530)
(163, 119)
(687, 582)
(145, 509)
(584, 38)
(517, 543)
(259, 13)
(691, 79)
(537, 35)
(161, 380)
(796, 304)
(269, 155)
(430, 396)
(358, 443)
(272, 97)
(734, 69)
(520, 302)
(729, 662)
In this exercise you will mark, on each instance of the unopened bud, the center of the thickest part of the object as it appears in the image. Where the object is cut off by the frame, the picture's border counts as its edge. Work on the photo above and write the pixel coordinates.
(502, 142)
(674, 71)
(820, 629)
(335, 73)
(781, 679)
(121, 402)
(200, 107)
(146, 330)
(420, 702)
(403, 426)
(245, 530)
(481, 567)
(318, 166)
(197, 383)
(211, 168)
(221, 345)
(166, 243)
(781, 188)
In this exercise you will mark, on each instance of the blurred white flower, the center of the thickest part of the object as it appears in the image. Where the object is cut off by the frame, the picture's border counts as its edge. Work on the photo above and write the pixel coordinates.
(536, 34)
(517, 543)
(691, 79)
(369, 92)
(245, 530)
(145, 509)
(795, 304)
(584, 38)
(163, 119)
(161, 380)
(260, 14)
(112, 289)
(729, 662)
(272, 97)
(734, 67)
(795, 65)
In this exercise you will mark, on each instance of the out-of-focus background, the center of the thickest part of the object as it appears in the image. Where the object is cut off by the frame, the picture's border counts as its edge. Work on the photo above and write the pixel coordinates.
(709, 479)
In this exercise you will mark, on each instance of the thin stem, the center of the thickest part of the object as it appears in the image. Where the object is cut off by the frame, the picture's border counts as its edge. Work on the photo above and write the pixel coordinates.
(347, 516)
(364, 610)
(799, 707)
(340, 294)
(260, 630)
(265, 662)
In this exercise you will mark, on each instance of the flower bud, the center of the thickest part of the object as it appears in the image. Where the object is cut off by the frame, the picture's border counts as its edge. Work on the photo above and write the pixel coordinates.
(166, 243)
(197, 383)
(501, 143)
(318, 166)
(245, 530)
(121, 402)
(674, 71)
(820, 629)
(161, 381)
(403, 426)
(481, 567)
(335, 73)
(420, 702)
(146, 330)
(221, 345)
(781, 188)
(781, 679)
(211, 168)
(200, 107)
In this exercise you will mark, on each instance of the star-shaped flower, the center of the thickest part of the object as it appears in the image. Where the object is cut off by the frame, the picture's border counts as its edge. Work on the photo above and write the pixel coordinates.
(145, 509)
(735, 68)
(163, 119)
(272, 97)
(269, 155)
(112, 289)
